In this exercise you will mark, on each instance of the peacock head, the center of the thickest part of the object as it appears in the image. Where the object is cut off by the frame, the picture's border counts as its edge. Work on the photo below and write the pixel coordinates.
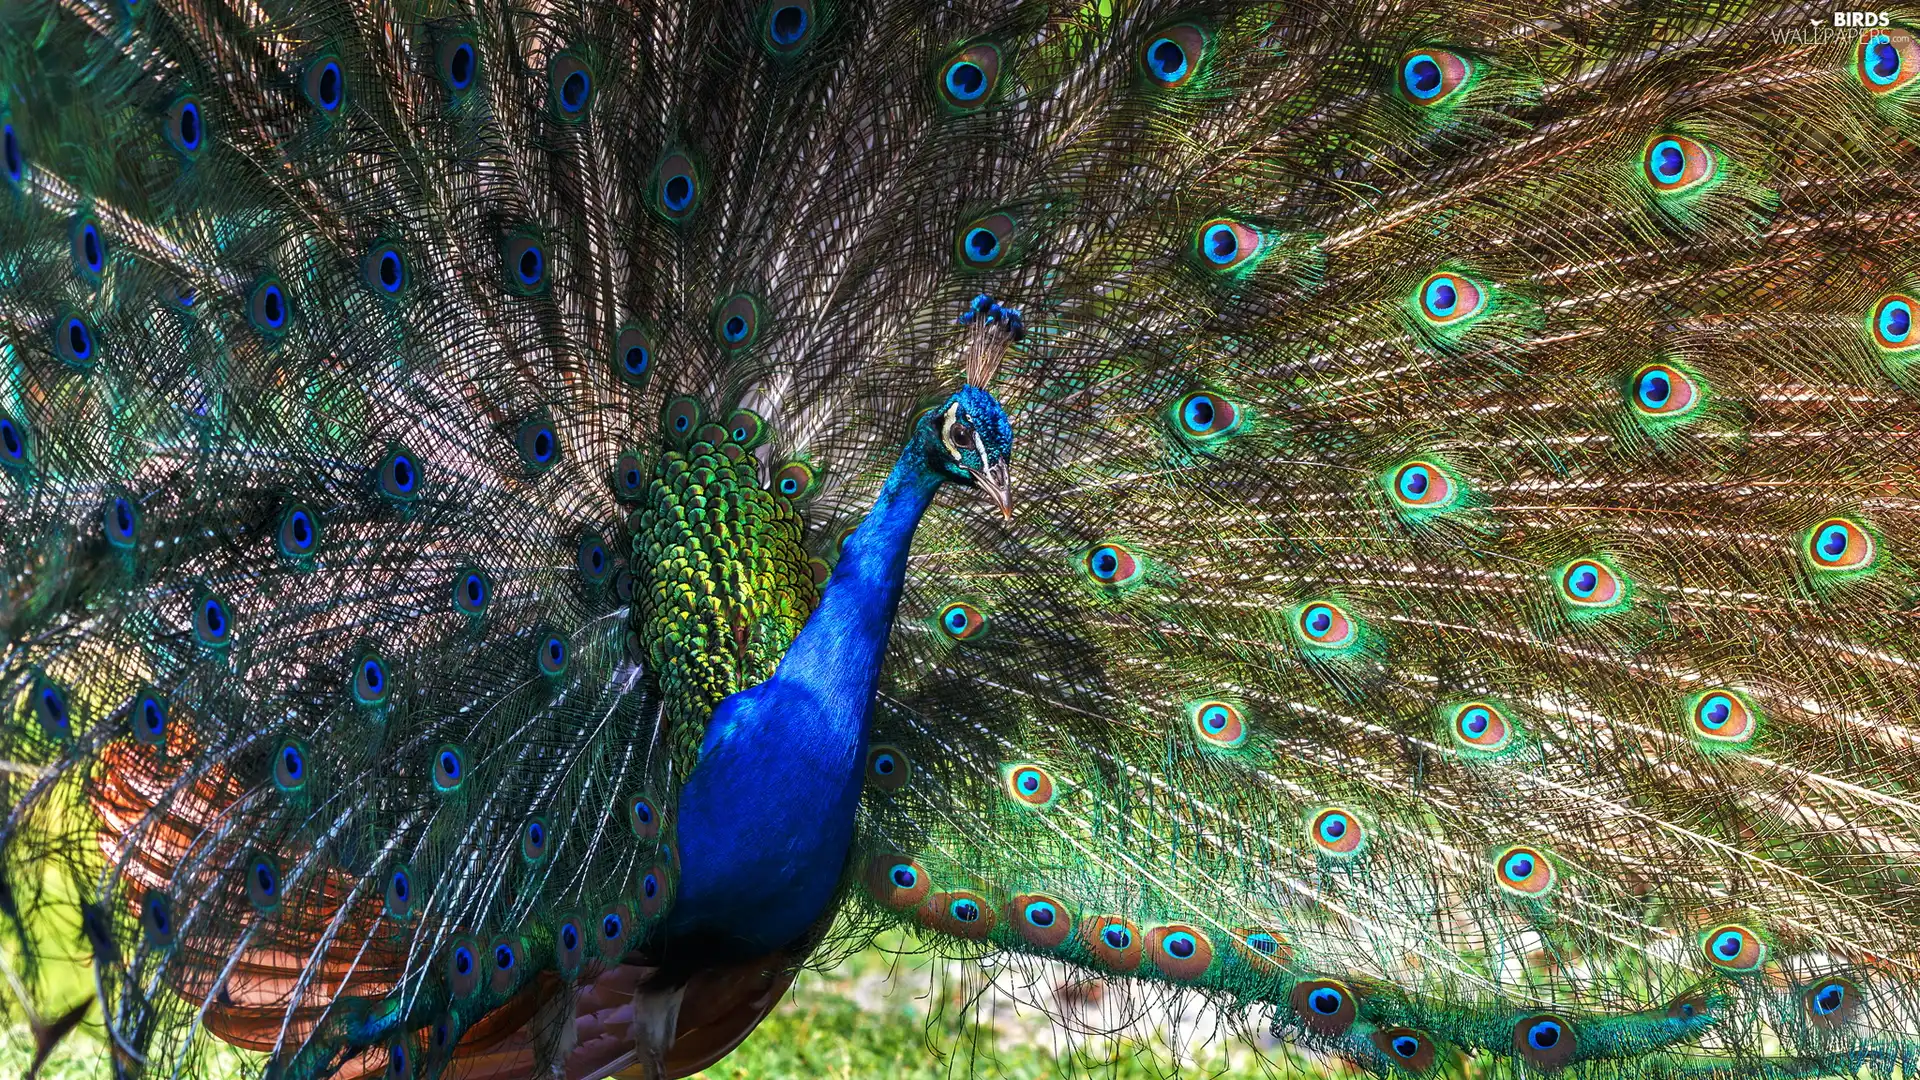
(969, 441)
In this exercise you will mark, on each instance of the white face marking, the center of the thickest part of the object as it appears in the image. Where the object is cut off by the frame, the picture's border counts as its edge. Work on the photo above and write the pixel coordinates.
(956, 434)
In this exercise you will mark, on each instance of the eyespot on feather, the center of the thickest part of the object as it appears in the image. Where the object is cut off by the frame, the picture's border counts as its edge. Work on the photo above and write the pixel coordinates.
(1524, 871)
(736, 323)
(1591, 585)
(676, 187)
(569, 86)
(896, 881)
(961, 913)
(1336, 832)
(1406, 1047)
(1733, 948)
(457, 61)
(1325, 1007)
(1886, 60)
(985, 242)
(524, 261)
(1180, 951)
(1113, 941)
(1428, 77)
(1222, 244)
(1204, 416)
(888, 767)
(961, 621)
(789, 26)
(1447, 298)
(1172, 55)
(966, 82)
(1722, 716)
(1830, 1003)
(1481, 726)
(1218, 724)
(1662, 391)
(1544, 1041)
(1838, 544)
(1029, 785)
(1260, 948)
(1325, 625)
(632, 357)
(1112, 565)
(1675, 163)
(1043, 921)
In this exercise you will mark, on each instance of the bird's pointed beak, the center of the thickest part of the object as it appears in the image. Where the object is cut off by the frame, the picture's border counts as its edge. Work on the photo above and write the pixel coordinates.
(993, 481)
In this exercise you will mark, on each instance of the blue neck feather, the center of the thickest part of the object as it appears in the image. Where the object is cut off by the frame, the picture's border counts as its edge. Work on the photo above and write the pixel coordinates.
(765, 819)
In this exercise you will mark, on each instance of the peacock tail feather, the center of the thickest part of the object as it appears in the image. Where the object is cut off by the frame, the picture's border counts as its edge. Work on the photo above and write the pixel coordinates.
(1460, 592)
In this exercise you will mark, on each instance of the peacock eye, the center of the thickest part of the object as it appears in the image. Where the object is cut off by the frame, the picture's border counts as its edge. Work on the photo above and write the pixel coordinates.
(1430, 76)
(1887, 59)
(1675, 163)
(968, 79)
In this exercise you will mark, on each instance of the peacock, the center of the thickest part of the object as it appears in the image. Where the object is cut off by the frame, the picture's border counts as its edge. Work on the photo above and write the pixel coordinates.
(524, 524)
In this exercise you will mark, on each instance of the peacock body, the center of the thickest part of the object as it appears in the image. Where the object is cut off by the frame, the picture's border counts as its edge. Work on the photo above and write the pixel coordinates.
(482, 599)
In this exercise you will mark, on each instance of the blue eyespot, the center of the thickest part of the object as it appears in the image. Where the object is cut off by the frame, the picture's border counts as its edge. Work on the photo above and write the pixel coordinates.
(328, 86)
(1715, 711)
(1895, 321)
(964, 910)
(1180, 946)
(399, 476)
(449, 768)
(13, 443)
(1545, 1034)
(1220, 243)
(386, 270)
(184, 128)
(458, 66)
(529, 266)
(1829, 999)
(982, 245)
(50, 704)
(210, 623)
(1166, 60)
(1667, 161)
(503, 957)
(734, 329)
(370, 681)
(1882, 61)
(788, 25)
(73, 340)
(965, 81)
(571, 85)
(119, 521)
(470, 593)
(1442, 297)
(553, 656)
(268, 307)
(1333, 827)
(1422, 75)
(611, 927)
(1518, 867)
(1042, 913)
(1326, 1001)
(905, 876)
(89, 251)
(1117, 937)
(149, 716)
(263, 882)
(10, 156)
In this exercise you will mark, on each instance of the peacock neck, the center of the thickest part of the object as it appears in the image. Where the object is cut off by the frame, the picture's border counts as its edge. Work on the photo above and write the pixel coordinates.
(840, 649)
(766, 817)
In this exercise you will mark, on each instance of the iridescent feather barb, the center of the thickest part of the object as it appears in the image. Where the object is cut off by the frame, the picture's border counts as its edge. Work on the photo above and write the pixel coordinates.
(486, 554)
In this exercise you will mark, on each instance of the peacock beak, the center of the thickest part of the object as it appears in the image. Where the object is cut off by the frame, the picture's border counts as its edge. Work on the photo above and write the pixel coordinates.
(993, 481)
